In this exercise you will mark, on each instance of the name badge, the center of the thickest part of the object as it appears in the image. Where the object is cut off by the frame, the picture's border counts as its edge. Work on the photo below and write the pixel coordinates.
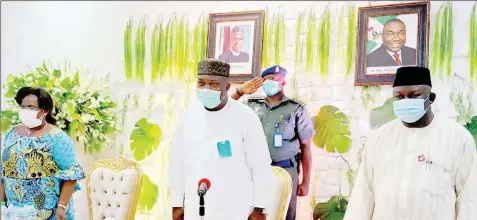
(277, 137)
(224, 149)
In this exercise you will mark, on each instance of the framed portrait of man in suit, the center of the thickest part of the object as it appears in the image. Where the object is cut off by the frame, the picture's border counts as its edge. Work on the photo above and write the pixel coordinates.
(236, 38)
(389, 37)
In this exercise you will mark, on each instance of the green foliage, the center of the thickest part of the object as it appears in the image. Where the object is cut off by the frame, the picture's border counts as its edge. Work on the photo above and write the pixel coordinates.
(311, 40)
(473, 43)
(156, 46)
(463, 108)
(368, 95)
(442, 44)
(472, 127)
(340, 32)
(140, 49)
(145, 138)
(175, 48)
(148, 196)
(351, 41)
(332, 130)
(83, 108)
(128, 56)
(334, 209)
(323, 49)
(298, 41)
(382, 115)
(274, 39)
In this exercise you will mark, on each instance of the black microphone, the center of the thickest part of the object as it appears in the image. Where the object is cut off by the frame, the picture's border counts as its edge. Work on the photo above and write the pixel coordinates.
(204, 185)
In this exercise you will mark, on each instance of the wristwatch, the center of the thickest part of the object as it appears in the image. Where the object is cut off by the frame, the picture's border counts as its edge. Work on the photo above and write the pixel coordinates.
(261, 211)
(238, 92)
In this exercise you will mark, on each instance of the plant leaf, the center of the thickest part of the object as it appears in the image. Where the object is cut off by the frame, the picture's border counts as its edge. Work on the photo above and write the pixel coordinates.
(472, 128)
(144, 139)
(382, 115)
(332, 130)
(148, 195)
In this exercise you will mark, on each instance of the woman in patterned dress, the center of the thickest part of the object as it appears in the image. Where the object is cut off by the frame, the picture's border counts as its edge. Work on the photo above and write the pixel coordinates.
(39, 160)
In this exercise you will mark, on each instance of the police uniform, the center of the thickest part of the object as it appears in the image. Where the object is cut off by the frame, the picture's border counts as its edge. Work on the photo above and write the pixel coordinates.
(290, 121)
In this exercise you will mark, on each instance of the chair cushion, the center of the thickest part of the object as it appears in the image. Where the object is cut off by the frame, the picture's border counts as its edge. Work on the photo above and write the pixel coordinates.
(112, 193)
(282, 189)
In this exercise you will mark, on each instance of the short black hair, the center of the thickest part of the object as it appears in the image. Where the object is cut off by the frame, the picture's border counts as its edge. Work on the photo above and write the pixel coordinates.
(394, 20)
(45, 101)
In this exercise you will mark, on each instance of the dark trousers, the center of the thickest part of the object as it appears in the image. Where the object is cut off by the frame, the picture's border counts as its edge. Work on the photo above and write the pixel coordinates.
(293, 171)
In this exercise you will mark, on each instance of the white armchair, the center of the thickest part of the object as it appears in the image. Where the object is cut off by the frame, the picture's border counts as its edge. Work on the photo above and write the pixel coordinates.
(113, 187)
(282, 193)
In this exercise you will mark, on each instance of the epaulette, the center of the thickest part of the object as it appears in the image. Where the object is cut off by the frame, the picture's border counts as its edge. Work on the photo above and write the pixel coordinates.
(256, 98)
(297, 101)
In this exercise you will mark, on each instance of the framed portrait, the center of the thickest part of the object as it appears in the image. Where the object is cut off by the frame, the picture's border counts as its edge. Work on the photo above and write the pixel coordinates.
(236, 38)
(389, 37)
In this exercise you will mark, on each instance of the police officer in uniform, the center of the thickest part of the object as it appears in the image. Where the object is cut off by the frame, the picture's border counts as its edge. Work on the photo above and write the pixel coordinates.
(287, 127)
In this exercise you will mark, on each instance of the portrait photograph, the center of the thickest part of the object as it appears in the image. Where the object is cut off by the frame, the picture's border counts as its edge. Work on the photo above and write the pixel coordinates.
(389, 37)
(236, 38)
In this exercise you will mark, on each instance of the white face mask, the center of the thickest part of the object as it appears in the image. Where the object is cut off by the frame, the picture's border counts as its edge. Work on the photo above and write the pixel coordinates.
(28, 118)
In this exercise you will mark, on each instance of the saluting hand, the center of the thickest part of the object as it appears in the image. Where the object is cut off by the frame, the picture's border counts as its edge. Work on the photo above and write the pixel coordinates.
(177, 213)
(251, 86)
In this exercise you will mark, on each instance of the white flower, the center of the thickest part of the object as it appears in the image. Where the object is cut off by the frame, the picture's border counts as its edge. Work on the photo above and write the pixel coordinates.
(94, 103)
(86, 117)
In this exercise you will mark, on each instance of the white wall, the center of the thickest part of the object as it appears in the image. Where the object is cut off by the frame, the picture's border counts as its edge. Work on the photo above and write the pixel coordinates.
(90, 34)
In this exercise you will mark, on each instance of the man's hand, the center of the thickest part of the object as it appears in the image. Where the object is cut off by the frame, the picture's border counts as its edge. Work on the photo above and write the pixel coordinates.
(303, 189)
(61, 214)
(257, 216)
(178, 213)
(251, 86)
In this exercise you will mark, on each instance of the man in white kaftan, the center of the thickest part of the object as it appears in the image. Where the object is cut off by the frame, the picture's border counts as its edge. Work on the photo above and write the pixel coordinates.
(222, 140)
(417, 167)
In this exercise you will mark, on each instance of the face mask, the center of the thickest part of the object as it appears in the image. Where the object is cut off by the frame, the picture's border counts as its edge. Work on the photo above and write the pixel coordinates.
(28, 118)
(209, 98)
(410, 110)
(271, 87)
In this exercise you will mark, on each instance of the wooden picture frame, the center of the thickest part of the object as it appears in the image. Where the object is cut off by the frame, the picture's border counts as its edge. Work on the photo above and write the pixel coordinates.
(390, 36)
(237, 38)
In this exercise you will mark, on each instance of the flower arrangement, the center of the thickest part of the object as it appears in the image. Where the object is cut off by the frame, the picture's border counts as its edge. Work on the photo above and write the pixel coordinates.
(83, 108)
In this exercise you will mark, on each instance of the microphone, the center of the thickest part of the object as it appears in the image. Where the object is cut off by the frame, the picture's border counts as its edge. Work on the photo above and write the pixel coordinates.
(204, 185)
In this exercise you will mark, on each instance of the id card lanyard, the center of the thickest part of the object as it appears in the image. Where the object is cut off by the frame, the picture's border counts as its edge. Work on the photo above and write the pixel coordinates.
(277, 137)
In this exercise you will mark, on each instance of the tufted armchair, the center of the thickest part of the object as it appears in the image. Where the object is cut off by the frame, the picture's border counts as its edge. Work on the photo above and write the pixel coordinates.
(113, 187)
(282, 193)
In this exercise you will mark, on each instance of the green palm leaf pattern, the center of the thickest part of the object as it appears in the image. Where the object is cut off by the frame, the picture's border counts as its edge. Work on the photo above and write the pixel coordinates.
(382, 115)
(145, 138)
(148, 195)
(332, 130)
(472, 127)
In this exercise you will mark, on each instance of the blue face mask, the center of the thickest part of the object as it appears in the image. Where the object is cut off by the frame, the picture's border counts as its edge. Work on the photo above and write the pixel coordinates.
(209, 98)
(271, 87)
(410, 110)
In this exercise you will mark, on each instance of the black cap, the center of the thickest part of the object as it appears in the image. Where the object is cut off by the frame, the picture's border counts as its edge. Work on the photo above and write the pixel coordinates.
(214, 67)
(412, 75)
